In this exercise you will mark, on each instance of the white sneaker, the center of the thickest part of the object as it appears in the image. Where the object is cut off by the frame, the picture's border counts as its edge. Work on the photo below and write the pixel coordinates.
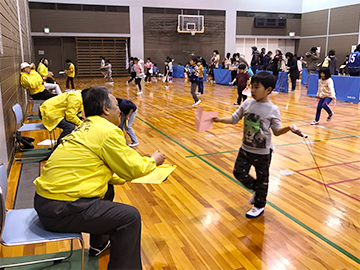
(139, 93)
(166, 87)
(133, 144)
(252, 198)
(314, 122)
(111, 83)
(127, 83)
(255, 212)
(196, 103)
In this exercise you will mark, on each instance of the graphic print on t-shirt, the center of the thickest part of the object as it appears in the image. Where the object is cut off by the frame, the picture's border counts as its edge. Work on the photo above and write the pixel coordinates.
(253, 133)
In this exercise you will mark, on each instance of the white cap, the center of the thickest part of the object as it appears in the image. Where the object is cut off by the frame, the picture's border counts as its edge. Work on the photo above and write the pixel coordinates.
(24, 65)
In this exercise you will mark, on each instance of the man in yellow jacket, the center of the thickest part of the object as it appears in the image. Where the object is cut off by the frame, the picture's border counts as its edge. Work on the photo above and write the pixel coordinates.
(32, 81)
(62, 112)
(74, 192)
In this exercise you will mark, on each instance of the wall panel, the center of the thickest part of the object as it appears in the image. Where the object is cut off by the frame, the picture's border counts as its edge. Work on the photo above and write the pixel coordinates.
(314, 23)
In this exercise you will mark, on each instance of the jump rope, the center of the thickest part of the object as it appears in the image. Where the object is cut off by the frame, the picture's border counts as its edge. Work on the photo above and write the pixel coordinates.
(350, 222)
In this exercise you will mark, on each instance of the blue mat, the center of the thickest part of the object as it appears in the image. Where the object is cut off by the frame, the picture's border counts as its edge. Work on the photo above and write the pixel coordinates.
(269, 71)
(222, 76)
(346, 88)
(178, 71)
(304, 76)
(282, 82)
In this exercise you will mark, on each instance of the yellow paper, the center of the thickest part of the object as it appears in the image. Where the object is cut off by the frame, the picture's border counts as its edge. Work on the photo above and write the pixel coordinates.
(157, 176)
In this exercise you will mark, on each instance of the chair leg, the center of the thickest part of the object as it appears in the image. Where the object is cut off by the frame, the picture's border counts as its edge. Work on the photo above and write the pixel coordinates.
(57, 259)
(82, 253)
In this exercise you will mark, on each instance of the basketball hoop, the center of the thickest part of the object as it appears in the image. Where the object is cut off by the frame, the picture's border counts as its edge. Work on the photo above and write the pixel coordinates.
(192, 31)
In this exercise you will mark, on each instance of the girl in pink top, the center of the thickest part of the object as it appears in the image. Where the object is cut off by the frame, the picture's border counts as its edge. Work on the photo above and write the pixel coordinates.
(325, 94)
(149, 70)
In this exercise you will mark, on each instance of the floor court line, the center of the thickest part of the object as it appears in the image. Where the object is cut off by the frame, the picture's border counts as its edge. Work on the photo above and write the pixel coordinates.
(287, 118)
(344, 181)
(322, 184)
(301, 224)
(331, 165)
(275, 146)
(177, 117)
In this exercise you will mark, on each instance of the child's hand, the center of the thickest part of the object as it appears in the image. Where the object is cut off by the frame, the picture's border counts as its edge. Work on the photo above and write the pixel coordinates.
(297, 131)
(215, 119)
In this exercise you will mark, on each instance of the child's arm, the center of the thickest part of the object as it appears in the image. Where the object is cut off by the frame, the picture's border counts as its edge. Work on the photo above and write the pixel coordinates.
(294, 129)
(225, 120)
(233, 81)
(128, 115)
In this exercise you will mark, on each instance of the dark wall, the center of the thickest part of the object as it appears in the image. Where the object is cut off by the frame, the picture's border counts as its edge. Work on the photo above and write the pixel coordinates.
(57, 50)
(342, 20)
(314, 23)
(11, 91)
(79, 21)
(245, 25)
(163, 40)
(345, 19)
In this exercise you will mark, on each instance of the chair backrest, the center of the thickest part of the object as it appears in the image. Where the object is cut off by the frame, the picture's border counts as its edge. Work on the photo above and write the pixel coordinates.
(18, 113)
(3, 180)
(3, 190)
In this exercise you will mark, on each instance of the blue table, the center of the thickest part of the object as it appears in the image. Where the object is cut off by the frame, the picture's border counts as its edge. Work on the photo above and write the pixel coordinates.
(222, 76)
(346, 88)
(178, 71)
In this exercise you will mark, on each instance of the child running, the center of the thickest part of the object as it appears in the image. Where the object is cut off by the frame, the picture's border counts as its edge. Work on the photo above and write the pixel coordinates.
(242, 80)
(194, 78)
(325, 94)
(259, 116)
(109, 72)
(201, 78)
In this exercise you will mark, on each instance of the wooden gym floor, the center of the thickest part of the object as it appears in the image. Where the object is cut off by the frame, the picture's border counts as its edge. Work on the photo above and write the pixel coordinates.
(196, 219)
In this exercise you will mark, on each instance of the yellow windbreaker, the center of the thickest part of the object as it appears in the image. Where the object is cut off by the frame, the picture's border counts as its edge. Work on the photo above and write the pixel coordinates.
(71, 71)
(43, 70)
(32, 82)
(89, 159)
(66, 105)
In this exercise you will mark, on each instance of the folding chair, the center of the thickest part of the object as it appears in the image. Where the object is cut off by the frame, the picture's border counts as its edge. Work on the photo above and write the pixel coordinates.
(20, 126)
(23, 227)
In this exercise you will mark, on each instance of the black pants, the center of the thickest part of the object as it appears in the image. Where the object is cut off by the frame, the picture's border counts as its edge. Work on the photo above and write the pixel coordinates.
(138, 83)
(148, 76)
(68, 81)
(103, 219)
(293, 83)
(43, 95)
(240, 95)
(354, 71)
(133, 75)
(233, 74)
(65, 125)
(260, 184)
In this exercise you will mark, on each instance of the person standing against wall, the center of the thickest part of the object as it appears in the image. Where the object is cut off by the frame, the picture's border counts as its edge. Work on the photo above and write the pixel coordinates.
(255, 60)
(312, 61)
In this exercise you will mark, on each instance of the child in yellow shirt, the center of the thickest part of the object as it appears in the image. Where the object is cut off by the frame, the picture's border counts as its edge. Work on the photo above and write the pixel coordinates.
(71, 74)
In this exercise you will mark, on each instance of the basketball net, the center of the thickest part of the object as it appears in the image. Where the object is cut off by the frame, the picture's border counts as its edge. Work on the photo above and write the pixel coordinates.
(193, 32)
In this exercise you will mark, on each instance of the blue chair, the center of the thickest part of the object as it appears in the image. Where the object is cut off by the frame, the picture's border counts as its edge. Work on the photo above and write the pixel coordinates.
(23, 227)
(19, 121)
(20, 126)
